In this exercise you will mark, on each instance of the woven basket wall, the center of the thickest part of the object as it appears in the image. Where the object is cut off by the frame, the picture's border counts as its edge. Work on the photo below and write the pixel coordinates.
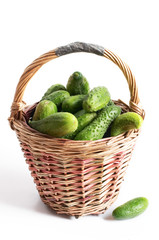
(75, 177)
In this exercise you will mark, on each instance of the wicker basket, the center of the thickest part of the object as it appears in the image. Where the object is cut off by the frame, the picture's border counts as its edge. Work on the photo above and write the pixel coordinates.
(75, 177)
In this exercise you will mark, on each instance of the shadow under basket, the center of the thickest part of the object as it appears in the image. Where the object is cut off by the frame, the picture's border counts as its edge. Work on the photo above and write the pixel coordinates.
(75, 177)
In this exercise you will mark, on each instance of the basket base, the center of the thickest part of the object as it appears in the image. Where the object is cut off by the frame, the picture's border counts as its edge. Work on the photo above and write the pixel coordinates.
(84, 211)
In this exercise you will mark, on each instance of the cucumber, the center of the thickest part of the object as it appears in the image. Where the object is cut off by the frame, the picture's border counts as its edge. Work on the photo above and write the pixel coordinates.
(97, 99)
(44, 109)
(125, 122)
(56, 125)
(73, 104)
(79, 113)
(110, 103)
(57, 97)
(97, 128)
(53, 88)
(77, 84)
(131, 208)
(83, 121)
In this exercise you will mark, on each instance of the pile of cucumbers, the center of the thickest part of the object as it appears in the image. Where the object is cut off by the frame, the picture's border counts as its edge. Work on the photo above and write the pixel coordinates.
(78, 113)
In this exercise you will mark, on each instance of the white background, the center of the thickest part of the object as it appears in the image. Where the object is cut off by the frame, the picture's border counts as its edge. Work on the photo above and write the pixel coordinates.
(31, 28)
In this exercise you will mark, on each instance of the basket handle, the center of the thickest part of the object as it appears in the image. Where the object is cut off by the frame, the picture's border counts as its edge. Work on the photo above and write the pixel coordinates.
(18, 104)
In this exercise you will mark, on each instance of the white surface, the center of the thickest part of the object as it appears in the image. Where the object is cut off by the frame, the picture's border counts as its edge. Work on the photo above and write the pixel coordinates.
(31, 28)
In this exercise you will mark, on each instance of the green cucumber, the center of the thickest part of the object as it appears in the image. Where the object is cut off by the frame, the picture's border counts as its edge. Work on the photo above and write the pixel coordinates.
(44, 109)
(56, 125)
(97, 128)
(83, 121)
(77, 84)
(125, 122)
(73, 104)
(110, 103)
(131, 208)
(97, 99)
(53, 88)
(58, 97)
(79, 113)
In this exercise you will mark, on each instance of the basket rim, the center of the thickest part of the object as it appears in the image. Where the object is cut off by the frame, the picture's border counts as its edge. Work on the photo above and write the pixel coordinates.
(23, 122)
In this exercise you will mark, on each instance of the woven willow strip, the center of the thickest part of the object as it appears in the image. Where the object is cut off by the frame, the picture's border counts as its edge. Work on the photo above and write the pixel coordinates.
(75, 177)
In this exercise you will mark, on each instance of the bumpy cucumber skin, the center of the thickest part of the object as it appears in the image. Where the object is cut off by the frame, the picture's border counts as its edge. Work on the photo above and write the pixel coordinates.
(44, 109)
(131, 208)
(77, 84)
(58, 97)
(73, 104)
(110, 103)
(125, 122)
(57, 124)
(83, 121)
(53, 88)
(97, 99)
(97, 128)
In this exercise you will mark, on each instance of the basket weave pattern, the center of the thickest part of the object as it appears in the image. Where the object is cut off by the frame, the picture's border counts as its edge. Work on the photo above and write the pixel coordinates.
(75, 177)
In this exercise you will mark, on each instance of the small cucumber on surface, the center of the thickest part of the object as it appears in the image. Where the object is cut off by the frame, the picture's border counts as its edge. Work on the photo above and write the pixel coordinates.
(77, 84)
(73, 104)
(58, 97)
(97, 99)
(125, 122)
(131, 208)
(53, 88)
(56, 125)
(83, 121)
(97, 128)
(44, 109)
